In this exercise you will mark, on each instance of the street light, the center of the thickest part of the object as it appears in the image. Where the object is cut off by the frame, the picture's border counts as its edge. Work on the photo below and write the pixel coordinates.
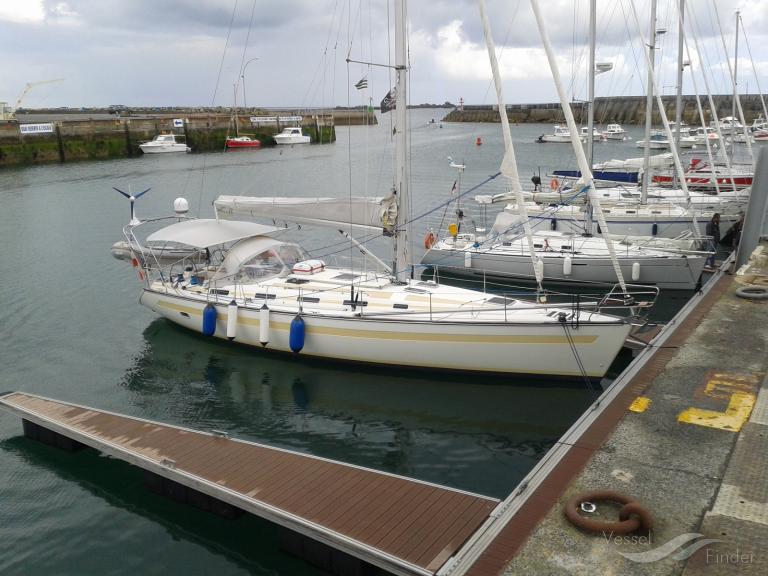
(242, 77)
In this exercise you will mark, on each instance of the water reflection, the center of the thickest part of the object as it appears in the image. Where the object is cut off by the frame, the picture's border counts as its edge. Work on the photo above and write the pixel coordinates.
(463, 431)
(244, 545)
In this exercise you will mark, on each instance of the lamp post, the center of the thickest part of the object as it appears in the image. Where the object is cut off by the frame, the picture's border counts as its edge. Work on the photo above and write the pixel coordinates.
(242, 77)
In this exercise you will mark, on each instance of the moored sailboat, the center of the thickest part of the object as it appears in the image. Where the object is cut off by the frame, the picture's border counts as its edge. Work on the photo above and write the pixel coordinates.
(265, 292)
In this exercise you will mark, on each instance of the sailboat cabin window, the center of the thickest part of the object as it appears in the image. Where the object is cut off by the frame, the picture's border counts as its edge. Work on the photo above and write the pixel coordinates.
(261, 266)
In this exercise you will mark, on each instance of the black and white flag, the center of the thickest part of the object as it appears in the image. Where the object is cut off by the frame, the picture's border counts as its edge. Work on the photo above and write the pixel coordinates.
(388, 103)
(363, 83)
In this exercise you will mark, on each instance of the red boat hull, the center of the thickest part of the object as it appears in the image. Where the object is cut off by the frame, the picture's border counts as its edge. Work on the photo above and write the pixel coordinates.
(243, 143)
(705, 181)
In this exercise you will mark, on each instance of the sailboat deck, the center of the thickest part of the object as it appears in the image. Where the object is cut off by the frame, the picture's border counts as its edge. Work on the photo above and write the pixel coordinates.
(405, 526)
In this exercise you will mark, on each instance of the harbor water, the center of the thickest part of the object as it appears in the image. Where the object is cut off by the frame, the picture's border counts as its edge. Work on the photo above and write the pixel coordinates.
(73, 330)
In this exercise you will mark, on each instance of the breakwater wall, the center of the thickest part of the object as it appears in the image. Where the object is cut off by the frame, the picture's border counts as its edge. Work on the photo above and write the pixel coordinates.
(72, 137)
(624, 110)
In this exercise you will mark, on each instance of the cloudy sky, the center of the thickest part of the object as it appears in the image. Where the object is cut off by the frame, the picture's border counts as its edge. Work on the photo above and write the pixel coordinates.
(191, 52)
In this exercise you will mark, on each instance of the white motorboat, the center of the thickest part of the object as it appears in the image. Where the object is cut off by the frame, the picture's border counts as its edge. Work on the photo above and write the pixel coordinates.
(759, 130)
(659, 141)
(163, 143)
(291, 135)
(704, 134)
(614, 132)
(597, 136)
(560, 135)
(264, 292)
(656, 142)
(566, 258)
(728, 126)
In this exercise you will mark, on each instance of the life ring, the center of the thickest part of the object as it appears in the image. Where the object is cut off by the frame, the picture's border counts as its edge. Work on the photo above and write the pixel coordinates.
(554, 184)
(632, 516)
(429, 240)
(753, 292)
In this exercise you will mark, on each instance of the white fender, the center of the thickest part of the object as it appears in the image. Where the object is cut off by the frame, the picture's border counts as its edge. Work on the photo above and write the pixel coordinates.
(635, 271)
(567, 266)
(232, 320)
(467, 259)
(264, 325)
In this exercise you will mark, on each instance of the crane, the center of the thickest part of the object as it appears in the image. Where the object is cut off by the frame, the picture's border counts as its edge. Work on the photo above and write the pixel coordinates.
(9, 113)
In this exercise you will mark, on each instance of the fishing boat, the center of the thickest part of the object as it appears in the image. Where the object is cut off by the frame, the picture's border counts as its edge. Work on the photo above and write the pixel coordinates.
(291, 135)
(164, 143)
(263, 291)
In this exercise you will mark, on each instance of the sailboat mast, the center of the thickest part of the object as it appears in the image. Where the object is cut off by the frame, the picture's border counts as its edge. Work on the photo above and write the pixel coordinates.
(234, 108)
(649, 107)
(735, 69)
(591, 103)
(402, 176)
(680, 66)
(578, 150)
(591, 88)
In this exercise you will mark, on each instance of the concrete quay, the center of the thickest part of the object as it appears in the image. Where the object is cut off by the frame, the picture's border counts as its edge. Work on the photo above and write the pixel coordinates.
(622, 109)
(99, 136)
(688, 438)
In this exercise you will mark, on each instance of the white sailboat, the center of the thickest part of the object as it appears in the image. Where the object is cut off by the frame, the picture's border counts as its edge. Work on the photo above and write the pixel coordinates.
(556, 256)
(264, 292)
(566, 258)
(628, 216)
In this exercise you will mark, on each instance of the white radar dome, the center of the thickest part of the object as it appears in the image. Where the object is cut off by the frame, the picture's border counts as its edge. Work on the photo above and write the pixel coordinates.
(180, 206)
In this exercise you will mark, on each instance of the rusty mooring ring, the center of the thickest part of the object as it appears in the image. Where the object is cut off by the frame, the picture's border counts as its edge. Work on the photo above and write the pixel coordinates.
(632, 516)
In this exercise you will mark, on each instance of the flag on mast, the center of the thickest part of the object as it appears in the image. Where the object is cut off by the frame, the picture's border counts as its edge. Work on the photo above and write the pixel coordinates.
(388, 103)
(363, 83)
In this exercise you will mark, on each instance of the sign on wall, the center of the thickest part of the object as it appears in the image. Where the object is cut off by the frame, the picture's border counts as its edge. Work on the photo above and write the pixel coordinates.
(178, 122)
(36, 128)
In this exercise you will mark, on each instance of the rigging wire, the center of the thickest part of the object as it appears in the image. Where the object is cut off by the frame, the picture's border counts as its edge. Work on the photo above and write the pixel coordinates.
(754, 69)
(213, 100)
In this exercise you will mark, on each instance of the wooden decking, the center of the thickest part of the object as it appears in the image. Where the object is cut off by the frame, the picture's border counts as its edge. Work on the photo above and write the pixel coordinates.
(402, 525)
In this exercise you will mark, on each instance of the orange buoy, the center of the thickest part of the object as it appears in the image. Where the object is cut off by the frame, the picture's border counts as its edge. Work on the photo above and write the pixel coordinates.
(429, 240)
(554, 184)
(479, 141)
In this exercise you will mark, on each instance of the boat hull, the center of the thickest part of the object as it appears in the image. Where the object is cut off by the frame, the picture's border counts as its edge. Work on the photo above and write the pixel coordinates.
(233, 143)
(163, 149)
(662, 226)
(495, 347)
(284, 140)
(673, 273)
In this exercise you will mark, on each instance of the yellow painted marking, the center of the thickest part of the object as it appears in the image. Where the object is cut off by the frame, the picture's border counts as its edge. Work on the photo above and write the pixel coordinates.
(640, 404)
(737, 389)
(738, 411)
